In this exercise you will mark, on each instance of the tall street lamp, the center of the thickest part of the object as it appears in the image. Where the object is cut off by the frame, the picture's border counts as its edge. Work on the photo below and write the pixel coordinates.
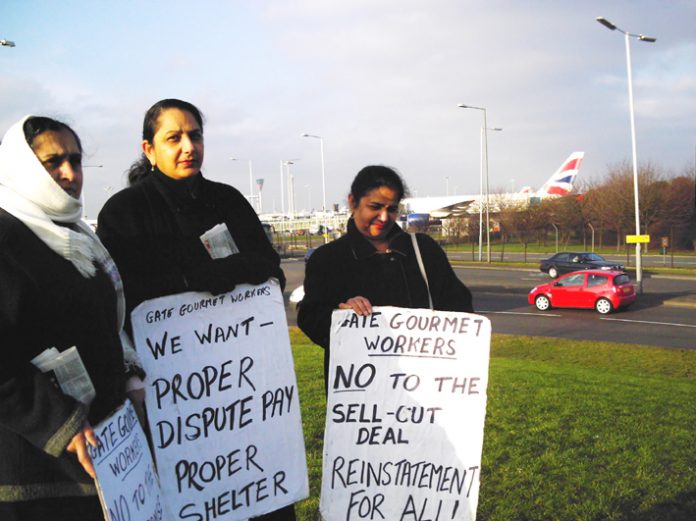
(285, 166)
(485, 147)
(309, 197)
(323, 176)
(282, 187)
(84, 199)
(323, 182)
(291, 192)
(484, 137)
(251, 180)
(606, 23)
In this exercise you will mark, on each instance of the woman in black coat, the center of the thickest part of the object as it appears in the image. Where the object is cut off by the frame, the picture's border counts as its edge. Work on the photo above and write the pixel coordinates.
(152, 228)
(59, 288)
(375, 263)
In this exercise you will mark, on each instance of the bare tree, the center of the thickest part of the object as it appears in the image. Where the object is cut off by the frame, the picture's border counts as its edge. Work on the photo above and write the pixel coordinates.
(565, 213)
(525, 224)
(679, 215)
(610, 204)
(652, 191)
(472, 227)
(455, 228)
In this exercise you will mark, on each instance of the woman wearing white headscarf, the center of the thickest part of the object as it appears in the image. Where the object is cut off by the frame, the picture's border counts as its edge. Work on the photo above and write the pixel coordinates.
(58, 288)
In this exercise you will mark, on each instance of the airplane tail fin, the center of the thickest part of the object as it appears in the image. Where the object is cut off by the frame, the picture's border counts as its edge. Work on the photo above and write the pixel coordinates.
(561, 182)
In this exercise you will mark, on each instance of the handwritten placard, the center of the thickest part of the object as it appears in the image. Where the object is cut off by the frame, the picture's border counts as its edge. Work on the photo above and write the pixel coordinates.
(405, 415)
(126, 479)
(222, 402)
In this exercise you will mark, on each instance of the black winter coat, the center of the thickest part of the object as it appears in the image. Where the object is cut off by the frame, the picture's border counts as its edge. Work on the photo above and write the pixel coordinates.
(46, 303)
(351, 266)
(152, 231)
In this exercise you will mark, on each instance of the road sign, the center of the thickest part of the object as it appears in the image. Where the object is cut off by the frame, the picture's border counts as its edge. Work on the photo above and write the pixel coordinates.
(633, 239)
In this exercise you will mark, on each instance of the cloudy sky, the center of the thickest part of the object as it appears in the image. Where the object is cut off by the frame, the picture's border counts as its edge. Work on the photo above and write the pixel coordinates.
(379, 80)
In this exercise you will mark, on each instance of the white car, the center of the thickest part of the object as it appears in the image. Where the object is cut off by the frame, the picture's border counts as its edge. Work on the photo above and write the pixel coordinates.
(297, 295)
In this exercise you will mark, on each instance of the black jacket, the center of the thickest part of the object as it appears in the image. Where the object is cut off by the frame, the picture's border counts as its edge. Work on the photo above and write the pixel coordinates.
(152, 231)
(351, 266)
(47, 303)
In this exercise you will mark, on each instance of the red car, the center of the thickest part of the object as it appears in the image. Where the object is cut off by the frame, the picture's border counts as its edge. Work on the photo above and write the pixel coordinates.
(602, 290)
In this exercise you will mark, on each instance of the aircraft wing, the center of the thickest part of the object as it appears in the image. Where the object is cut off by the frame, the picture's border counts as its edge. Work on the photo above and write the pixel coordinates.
(439, 207)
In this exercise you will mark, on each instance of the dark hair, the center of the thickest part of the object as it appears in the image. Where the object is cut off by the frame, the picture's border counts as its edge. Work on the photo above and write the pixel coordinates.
(35, 125)
(141, 167)
(374, 176)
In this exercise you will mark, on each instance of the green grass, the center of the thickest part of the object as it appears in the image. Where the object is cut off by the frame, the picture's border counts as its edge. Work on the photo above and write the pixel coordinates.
(309, 368)
(575, 430)
(550, 248)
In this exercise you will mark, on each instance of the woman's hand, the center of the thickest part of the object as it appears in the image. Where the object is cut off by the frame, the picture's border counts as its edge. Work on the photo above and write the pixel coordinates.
(78, 446)
(358, 304)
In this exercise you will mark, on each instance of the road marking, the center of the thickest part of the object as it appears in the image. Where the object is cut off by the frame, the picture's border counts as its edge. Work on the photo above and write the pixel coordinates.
(520, 313)
(649, 322)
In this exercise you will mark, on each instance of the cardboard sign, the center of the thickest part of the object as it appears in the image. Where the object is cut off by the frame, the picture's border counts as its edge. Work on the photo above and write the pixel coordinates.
(405, 415)
(222, 402)
(126, 479)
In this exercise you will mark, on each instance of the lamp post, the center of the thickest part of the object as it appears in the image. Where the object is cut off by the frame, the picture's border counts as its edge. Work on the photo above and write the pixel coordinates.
(484, 153)
(606, 23)
(251, 180)
(7, 43)
(323, 176)
(84, 199)
(285, 163)
(309, 196)
(282, 188)
(325, 235)
(291, 193)
(488, 248)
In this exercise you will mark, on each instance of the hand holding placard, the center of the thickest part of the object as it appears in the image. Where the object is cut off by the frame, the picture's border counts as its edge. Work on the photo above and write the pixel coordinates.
(126, 480)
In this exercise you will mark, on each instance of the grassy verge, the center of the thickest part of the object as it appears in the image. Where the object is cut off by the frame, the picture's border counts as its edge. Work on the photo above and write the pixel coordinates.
(575, 430)
(550, 248)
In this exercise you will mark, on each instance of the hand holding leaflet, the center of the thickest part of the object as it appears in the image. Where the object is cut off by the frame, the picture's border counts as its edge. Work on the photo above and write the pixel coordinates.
(69, 371)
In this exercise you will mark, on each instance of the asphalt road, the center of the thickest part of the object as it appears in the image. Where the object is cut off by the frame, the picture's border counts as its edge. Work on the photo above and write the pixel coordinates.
(652, 259)
(501, 294)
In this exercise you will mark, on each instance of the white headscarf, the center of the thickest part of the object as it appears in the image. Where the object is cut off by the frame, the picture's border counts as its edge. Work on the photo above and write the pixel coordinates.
(28, 192)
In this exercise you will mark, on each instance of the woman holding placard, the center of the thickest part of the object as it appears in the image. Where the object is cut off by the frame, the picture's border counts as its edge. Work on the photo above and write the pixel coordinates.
(62, 308)
(376, 263)
(172, 230)
(153, 228)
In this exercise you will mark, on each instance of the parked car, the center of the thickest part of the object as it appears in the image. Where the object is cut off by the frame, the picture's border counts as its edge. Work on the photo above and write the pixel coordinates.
(603, 290)
(308, 254)
(296, 296)
(567, 261)
(298, 293)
